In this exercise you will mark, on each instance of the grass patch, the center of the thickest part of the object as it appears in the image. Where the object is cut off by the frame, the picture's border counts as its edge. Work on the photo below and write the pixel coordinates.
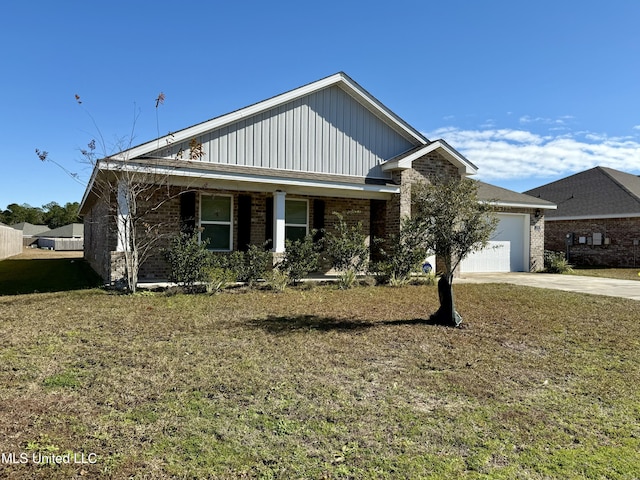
(322, 383)
(19, 275)
(620, 273)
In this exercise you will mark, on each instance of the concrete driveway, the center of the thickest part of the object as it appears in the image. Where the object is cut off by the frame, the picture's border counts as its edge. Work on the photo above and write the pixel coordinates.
(572, 283)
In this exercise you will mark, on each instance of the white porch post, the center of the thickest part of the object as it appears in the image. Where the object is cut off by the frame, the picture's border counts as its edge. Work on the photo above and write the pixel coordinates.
(278, 221)
(123, 217)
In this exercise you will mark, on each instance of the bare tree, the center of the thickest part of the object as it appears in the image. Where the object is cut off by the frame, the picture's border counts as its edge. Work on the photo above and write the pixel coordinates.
(453, 223)
(132, 191)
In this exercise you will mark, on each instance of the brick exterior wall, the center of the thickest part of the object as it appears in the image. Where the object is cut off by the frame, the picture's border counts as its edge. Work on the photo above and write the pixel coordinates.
(620, 252)
(97, 243)
(101, 235)
(431, 168)
(101, 238)
(536, 239)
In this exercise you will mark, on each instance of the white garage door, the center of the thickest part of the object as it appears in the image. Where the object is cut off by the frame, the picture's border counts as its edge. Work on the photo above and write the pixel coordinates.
(508, 250)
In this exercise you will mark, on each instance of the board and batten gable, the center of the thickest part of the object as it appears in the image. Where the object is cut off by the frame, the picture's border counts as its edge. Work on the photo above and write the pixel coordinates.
(327, 131)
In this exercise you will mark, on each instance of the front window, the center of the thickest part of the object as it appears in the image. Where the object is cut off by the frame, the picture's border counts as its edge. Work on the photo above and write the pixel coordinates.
(296, 219)
(215, 221)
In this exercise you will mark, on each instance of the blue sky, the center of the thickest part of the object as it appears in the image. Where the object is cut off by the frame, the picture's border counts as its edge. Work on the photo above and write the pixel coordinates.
(528, 91)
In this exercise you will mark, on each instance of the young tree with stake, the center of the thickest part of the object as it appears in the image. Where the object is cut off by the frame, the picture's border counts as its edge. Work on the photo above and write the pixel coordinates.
(453, 223)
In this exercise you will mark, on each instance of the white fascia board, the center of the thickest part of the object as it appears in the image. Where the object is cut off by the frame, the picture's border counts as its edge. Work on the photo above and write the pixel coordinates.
(595, 217)
(336, 79)
(378, 107)
(90, 185)
(522, 205)
(405, 163)
(195, 173)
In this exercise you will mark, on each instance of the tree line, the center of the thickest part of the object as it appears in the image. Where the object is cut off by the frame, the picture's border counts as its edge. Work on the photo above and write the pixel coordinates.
(51, 214)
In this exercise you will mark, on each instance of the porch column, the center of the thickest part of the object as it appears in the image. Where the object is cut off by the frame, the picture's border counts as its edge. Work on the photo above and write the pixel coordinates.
(278, 221)
(122, 218)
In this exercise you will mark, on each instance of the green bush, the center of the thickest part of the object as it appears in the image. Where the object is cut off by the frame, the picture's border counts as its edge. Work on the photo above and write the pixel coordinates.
(347, 279)
(247, 267)
(217, 279)
(187, 258)
(404, 256)
(277, 280)
(301, 257)
(346, 248)
(258, 262)
(555, 262)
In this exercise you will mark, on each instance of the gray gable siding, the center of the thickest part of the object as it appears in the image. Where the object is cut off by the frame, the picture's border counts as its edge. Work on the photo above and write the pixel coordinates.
(327, 131)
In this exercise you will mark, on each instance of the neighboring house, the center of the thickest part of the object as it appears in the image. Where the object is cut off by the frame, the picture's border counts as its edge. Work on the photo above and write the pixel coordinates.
(10, 241)
(67, 237)
(279, 168)
(30, 232)
(598, 217)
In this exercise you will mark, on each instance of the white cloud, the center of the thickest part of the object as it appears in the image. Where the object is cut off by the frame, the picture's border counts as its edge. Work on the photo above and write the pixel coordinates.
(502, 154)
(636, 127)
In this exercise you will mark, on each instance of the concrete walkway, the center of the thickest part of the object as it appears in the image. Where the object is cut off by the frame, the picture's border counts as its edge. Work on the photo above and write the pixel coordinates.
(571, 283)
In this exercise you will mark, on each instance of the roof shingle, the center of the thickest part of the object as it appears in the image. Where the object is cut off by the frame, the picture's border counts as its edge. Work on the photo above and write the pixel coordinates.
(599, 191)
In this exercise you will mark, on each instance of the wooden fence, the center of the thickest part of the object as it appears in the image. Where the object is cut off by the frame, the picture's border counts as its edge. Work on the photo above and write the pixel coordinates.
(59, 244)
(10, 242)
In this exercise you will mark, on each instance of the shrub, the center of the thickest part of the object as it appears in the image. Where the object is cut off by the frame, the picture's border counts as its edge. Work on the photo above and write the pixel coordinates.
(405, 256)
(555, 262)
(257, 262)
(187, 258)
(217, 278)
(248, 267)
(346, 248)
(301, 257)
(277, 280)
(347, 279)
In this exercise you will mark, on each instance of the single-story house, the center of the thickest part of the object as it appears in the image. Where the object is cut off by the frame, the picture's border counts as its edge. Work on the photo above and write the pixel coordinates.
(277, 169)
(597, 221)
(30, 232)
(67, 237)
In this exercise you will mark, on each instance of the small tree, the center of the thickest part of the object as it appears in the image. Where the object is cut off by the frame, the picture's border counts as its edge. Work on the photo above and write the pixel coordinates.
(453, 223)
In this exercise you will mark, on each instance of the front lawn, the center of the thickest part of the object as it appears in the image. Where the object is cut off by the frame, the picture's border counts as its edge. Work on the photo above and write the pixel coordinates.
(320, 383)
(38, 270)
(621, 273)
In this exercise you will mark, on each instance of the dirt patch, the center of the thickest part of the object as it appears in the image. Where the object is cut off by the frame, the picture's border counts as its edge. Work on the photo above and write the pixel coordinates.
(39, 253)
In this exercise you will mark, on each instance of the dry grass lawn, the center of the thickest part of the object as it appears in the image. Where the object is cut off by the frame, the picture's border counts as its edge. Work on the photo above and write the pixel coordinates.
(621, 273)
(320, 383)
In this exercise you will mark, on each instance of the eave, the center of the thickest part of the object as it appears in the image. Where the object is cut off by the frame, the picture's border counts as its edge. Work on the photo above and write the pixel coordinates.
(405, 161)
(206, 176)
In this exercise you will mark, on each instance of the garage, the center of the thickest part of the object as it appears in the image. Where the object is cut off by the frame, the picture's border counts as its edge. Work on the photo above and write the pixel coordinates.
(508, 250)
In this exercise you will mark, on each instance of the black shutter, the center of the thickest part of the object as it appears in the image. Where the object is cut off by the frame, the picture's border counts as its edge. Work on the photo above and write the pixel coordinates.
(268, 229)
(318, 219)
(244, 222)
(188, 212)
(377, 227)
